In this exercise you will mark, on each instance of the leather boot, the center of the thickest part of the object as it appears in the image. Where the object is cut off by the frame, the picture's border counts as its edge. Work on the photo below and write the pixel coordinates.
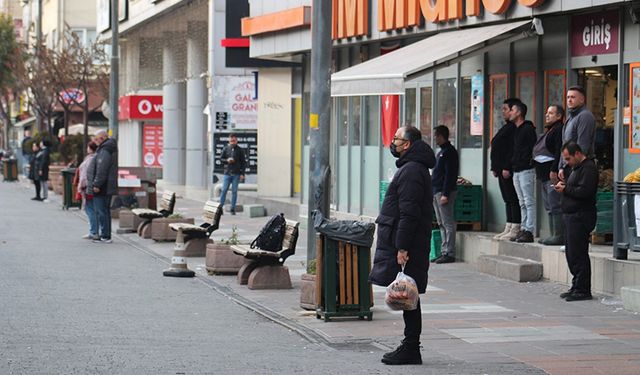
(558, 231)
(405, 354)
(507, 229)
(513, 233)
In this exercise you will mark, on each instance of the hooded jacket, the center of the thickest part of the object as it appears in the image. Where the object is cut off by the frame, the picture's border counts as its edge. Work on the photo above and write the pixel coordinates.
(525, 137)
(404, 222)
(103, 169)
(502, 148)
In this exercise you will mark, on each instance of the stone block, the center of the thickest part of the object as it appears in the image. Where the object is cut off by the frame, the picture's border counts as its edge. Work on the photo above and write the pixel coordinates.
(308, 291)
(520, 250)
(245, 272)
(159, 228)
(222, 260)
(510, 268)
(128, 222)
(196, 247)
(631, 297)
(270, 277)
(253, 210)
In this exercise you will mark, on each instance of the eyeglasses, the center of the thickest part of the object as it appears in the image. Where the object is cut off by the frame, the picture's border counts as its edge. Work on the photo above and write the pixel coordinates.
(398, 139)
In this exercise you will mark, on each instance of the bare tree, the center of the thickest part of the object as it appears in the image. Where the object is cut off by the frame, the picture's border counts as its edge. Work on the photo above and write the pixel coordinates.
(9, 60)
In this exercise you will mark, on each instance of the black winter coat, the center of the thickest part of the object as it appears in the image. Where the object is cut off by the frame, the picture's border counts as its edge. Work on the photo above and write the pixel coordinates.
(524, 139)
(405, 218)
(502, 148)
(237, 153)
(42, 164)
(103, 170)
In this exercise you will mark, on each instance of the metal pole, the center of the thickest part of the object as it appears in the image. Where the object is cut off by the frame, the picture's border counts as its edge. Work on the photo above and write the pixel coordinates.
(115, 62)
(38, 39)
(620, 249)
(319, 118)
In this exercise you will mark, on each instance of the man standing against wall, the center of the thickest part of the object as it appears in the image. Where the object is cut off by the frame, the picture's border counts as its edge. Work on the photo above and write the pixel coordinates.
(579, 213)
(102, 179)
(234, 162)
(524, 176)
(445, 178)
(580, 127)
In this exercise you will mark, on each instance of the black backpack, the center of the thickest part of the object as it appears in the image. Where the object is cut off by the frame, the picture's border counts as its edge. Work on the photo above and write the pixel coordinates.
(271, 235)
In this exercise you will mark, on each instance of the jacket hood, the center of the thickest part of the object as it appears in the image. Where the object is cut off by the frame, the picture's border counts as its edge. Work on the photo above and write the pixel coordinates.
(419, 152)
(110, 145)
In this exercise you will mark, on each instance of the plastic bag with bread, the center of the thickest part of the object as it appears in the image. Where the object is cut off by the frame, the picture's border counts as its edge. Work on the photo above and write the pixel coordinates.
(402, 293)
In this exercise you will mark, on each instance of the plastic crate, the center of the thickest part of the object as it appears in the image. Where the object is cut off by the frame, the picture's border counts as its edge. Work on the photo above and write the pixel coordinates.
(436, 244)
(468, 206)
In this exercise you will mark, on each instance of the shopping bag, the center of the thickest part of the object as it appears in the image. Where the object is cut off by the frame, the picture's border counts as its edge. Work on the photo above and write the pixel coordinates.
(402, 293)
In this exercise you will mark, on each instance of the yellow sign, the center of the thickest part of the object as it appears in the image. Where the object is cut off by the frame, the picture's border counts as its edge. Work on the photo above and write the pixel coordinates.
(313, 121)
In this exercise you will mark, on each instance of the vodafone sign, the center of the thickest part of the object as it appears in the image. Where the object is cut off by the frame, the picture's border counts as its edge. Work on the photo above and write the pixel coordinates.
(140, 107)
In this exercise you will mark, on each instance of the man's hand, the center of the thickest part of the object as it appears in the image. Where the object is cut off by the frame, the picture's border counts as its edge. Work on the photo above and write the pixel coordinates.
(561, 175)
(495, 174)
(231, 161)
(242, 178)
(444, 200)
(96, 190)
(553, 176)
(506, 173)
(559, 187)
(403, 257)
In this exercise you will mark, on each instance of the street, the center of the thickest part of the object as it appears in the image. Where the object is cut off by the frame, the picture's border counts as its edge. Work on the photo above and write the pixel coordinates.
(69, 306)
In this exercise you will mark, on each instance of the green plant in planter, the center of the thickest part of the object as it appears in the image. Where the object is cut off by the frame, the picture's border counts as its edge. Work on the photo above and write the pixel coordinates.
(71, 148)
(311, 268)
(176, 215)
(233, 239)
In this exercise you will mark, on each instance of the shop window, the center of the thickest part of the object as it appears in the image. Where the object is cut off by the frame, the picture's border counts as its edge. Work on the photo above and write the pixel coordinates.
(372, 120)
(355, 120)
(469, 100)
(343, 120)
(526, 91)
(499, 88)
(426, 110)
(555, 88)
(410, 107)
(446, 108)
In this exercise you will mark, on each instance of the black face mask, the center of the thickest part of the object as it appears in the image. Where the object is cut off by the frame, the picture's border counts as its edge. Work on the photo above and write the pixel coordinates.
(393, 150)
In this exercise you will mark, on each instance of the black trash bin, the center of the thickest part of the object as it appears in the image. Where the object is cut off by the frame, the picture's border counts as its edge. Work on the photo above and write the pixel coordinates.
(68, 189)
(625, 234)
(343, 263)
(10, 169)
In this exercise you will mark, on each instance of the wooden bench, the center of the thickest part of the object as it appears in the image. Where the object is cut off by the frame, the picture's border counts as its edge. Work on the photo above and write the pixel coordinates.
(265, 269)
(146, 215)
(192, 238)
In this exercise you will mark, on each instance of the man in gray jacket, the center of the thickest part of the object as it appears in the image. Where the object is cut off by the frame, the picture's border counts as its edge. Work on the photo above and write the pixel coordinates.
(580, 127)
(102, 181)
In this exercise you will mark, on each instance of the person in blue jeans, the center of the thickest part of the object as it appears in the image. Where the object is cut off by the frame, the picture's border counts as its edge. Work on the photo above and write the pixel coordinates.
(87, 197)
(234, 161)
(102, 180)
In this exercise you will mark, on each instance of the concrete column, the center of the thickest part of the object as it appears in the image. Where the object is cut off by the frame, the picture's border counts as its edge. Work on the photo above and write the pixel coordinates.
(196, 132)
(173, 118)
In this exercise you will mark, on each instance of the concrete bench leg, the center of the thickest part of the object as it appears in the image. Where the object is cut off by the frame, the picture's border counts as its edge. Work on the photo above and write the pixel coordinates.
(270, 277)
(245, 271)
(144, 229)
(196, 247)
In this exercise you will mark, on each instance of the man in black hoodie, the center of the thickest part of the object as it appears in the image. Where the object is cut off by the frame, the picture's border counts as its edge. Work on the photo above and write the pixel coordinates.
(404, 232)
(579, 214)
(523, 174)
(102, 179)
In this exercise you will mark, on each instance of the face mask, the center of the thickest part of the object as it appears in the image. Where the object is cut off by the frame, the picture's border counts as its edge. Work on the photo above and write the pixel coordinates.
(394, 152)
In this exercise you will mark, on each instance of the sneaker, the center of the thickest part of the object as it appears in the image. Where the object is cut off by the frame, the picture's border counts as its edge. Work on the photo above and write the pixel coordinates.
(405, 354)
(563, 248)
(233, 212)
(514, 239)
(102, 240)
(566, 294)
(578, 296)
(36, 199)
(445, 259)
(90, 237)
(44, 200)
(525, 237)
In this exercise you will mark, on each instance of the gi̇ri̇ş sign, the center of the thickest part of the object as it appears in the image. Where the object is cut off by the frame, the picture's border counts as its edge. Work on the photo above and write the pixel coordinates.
(595, 33)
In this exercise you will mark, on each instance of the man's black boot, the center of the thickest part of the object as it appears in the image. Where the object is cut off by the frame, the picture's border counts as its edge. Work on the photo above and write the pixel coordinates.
(405, 354)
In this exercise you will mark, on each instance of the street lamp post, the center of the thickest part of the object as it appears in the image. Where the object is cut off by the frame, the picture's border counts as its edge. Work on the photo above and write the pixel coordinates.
(115, 65)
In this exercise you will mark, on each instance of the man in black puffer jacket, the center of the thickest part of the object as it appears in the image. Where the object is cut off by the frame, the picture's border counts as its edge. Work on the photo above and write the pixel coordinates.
(404, 232)
(102, 182)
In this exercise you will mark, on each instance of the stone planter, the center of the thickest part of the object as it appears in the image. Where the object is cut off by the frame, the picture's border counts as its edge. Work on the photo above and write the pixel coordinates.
(127, 221)
(308, 292)
(160, 230)
(222, 260)
(55, 178)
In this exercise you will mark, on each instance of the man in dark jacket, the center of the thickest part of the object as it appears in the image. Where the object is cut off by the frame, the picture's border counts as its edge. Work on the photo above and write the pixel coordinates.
(546, 153)
(102, 179)
(523, 173)
(43, 159)
(579, 213)
(445, 179)
(501, 154)
(404, 232)
(234, 162)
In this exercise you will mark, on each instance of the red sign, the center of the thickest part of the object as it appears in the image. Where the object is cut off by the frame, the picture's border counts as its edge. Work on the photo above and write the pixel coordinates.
(595, 33)
(152, 145)
(140, 107)
(72, 96)
(390, 105)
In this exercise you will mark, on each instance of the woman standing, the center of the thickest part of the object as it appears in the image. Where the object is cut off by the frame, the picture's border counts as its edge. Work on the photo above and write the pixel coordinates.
(33, 174)
(87, 197)
(42, 168)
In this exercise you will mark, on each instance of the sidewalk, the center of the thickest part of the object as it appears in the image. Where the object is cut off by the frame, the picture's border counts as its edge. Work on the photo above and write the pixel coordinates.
(467, 316)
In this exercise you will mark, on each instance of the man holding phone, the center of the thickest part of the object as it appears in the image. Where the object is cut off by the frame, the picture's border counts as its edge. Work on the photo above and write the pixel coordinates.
(234, 162)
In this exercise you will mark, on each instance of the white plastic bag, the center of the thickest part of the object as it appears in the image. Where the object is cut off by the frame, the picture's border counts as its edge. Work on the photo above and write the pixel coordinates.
(402, 293)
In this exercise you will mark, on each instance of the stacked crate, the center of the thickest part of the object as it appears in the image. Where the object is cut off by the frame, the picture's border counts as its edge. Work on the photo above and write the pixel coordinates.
(603, 232)
(468, 207)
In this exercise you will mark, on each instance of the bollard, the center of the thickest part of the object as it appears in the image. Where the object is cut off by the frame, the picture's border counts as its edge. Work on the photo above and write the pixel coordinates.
(178, 260)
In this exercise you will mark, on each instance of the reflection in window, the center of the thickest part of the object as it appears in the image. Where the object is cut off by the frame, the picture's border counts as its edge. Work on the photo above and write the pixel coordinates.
(467, 140)
(446, 109)
(410, 107)
(371, 120)
(526, 91)
(343, 118)
(426, 109)
(498, 87)
(355, 120)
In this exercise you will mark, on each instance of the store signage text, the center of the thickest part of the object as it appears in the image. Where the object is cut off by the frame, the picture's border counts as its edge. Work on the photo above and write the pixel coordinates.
(140, 107)
(595, 34)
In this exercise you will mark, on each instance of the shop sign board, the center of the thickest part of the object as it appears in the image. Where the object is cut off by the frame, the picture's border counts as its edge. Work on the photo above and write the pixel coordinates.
(634, 99)
(248, 140)
(236, 101)
(140, 107)
(477, 104)
(595, 33)
(152, 155)
(72, 96)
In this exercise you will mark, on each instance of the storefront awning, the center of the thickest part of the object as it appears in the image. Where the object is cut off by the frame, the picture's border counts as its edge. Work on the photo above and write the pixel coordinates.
(387, 74)
(24, 123)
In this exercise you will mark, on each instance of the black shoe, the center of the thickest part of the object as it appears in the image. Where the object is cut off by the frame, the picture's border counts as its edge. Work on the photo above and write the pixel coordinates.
(566, 294)
(233, 212)
(436, 259)
(525, 237)
(445, 259)
(36, 199)
(578, 296)
(517, 236)
(405, 354)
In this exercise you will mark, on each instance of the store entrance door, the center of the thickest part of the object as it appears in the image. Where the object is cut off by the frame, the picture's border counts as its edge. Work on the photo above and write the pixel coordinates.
(601, 85)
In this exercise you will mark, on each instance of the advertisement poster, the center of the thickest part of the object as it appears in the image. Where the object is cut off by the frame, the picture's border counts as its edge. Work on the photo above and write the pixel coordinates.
(477, 103)
(235, 96)
(247, 140)
(390, 119)
(152, 145)
(499, 86)
(555, 87)
(634, 95)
